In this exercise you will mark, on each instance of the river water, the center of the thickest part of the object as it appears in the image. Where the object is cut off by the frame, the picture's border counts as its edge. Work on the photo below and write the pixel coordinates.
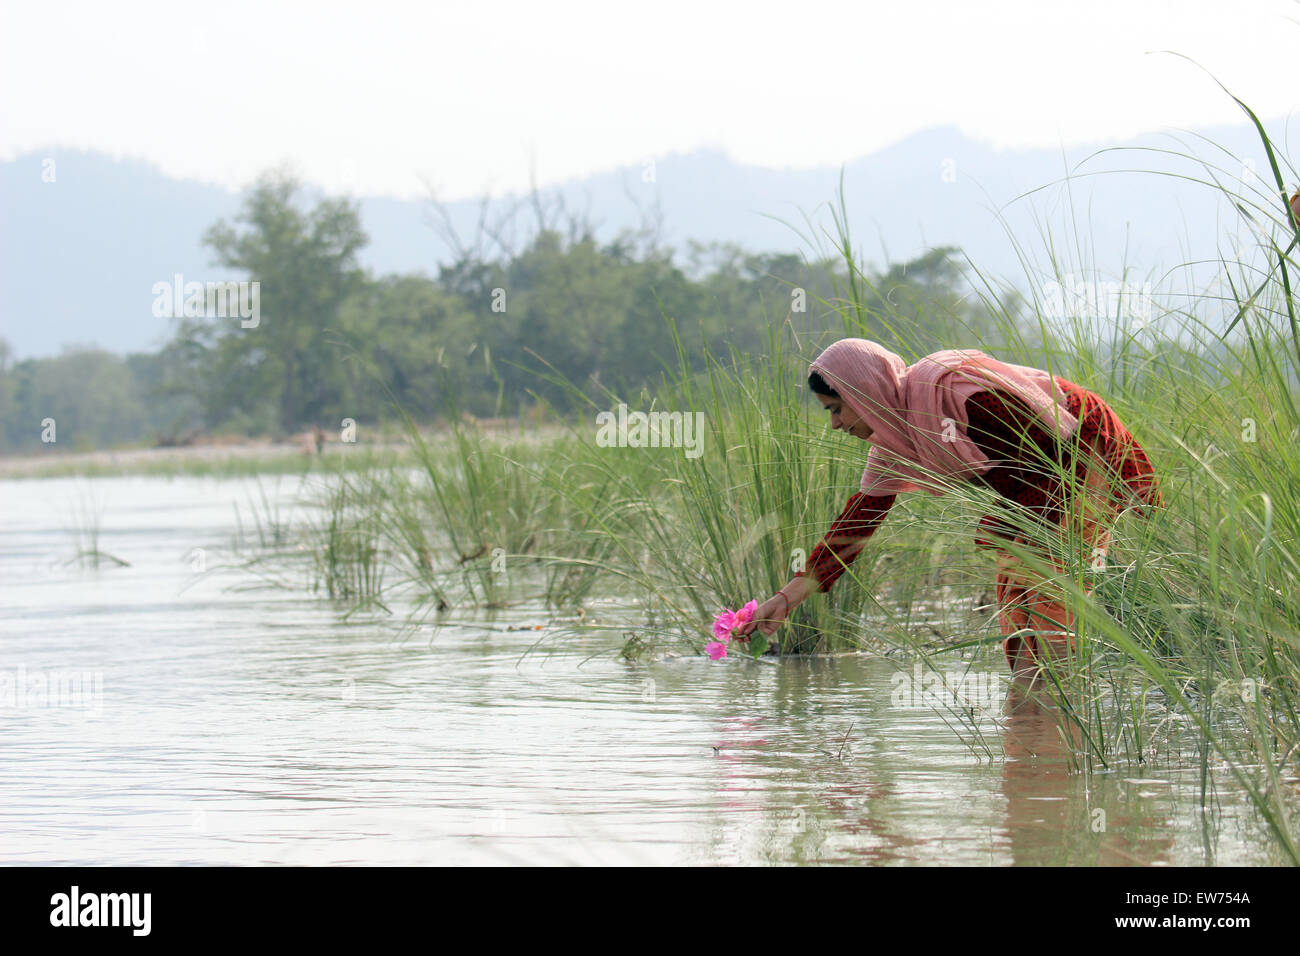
(167, 712)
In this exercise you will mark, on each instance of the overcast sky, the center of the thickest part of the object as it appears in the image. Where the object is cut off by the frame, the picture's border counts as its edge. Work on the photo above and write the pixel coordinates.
(371, 97)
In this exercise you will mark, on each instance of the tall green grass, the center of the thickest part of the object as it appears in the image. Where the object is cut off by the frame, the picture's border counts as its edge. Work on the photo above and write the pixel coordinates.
(1189, 639)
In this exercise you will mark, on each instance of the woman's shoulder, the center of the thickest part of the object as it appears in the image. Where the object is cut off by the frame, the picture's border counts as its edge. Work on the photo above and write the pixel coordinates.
(999, 422)
(997, 402)
(1002, 403)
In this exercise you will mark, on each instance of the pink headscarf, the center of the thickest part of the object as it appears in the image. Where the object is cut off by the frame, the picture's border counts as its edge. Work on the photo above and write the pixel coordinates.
(918, 412)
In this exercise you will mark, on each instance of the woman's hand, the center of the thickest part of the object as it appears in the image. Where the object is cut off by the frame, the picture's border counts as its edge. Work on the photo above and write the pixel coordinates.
(769, 615)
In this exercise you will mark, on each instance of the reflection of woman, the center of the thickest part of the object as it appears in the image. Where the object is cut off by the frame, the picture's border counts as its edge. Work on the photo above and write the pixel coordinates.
(1055, 816)
(1044, 813)
(959, 414)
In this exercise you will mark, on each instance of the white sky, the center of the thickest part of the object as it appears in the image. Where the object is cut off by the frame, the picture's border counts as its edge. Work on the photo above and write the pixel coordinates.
(369, 97)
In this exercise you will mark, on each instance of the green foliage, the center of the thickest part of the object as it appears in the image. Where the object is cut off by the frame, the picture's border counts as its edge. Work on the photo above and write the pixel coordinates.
(97, 399)
(495, 332)
(305, 263)
(1189, 633)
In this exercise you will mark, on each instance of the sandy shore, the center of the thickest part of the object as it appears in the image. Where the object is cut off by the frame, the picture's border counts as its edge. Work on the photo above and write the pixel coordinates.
(238, 454)
(153, 459)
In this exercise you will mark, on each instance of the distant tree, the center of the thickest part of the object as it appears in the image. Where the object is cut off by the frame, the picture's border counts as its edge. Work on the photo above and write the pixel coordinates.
(514, 307)
(413, 336)
(8, 396)
(289, 368)
(172, 413)
(89, 393)
(922, 305)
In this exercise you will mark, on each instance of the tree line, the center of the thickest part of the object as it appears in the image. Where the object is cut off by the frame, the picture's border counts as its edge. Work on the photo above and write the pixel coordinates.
(496, 333)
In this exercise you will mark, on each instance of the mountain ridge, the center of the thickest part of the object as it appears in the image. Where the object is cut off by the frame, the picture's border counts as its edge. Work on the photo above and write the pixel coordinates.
(79, 255)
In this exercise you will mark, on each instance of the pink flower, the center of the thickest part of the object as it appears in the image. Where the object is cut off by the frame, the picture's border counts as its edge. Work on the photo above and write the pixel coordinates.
(746, 613)
(724, 624)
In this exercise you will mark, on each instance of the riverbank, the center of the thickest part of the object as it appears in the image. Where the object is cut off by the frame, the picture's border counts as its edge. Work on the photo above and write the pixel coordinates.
(234, 456)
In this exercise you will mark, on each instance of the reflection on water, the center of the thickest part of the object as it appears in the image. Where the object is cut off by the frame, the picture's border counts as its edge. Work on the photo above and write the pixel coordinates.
(250, 726)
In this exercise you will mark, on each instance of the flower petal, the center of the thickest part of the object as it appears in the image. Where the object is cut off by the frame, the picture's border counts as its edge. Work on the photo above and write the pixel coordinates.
(746, 613)
(715, 650)
(723, 624)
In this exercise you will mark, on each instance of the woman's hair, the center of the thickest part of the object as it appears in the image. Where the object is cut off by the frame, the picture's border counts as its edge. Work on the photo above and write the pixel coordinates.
(818, 385)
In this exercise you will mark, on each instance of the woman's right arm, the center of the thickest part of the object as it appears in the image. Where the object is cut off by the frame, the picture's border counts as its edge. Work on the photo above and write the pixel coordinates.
(845, 539)
(836, 551)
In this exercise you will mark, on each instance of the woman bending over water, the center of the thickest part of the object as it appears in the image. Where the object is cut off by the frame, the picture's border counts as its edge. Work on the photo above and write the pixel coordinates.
(960, 414)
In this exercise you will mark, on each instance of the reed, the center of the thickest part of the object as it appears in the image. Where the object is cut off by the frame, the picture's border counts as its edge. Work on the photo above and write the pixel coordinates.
(87, 531)
(1189, 632)
(1190, 641)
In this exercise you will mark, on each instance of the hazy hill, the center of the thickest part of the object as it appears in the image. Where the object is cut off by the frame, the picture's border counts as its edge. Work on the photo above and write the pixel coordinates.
(78, 256)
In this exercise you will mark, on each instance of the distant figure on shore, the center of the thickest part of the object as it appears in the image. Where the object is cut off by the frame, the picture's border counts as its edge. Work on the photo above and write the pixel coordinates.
(312, 442)
(961, 414)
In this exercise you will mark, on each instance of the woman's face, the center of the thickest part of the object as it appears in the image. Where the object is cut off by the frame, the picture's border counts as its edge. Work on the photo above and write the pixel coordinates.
(844, 418)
